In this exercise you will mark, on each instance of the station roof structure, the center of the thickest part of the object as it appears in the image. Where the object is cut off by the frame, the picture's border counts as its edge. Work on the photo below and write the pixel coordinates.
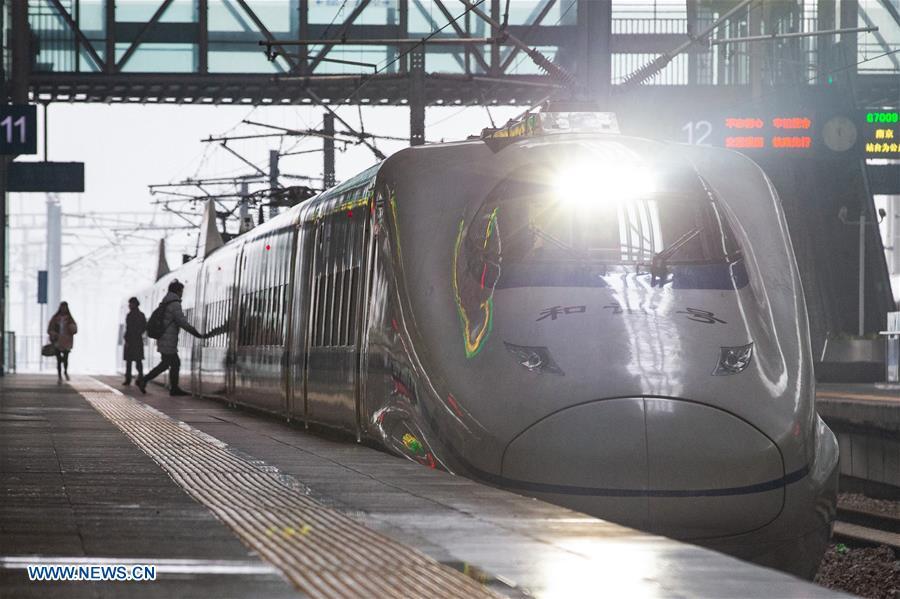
(360, 51)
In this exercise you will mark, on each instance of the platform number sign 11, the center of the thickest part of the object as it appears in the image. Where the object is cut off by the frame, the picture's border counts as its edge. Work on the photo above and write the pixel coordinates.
(18, 129)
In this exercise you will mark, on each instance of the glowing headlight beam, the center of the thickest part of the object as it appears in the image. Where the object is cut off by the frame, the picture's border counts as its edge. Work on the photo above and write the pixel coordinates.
(585, 184)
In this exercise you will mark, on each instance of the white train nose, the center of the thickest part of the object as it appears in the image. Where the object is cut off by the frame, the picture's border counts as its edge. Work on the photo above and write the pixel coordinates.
(676, 467)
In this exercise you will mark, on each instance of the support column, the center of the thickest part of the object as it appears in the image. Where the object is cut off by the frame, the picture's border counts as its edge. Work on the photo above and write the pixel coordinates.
(417, 96)
(110, 53)
(54, 252)
(693, 28)
(848, 45)
(495, 46)
(303, 31)
(4, 270)
(273, 180)
(246, 223)
(825, 45)
(20, 35)
(392, 51)
(203, 39)
(756, 17)
(328, 150)
(595, 57)
(403, 31)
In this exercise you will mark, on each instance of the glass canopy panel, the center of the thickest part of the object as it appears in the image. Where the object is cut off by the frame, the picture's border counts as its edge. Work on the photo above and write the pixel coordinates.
(336, 12)
(92, 17)
(523, 65)
(379, 12)
(878, 54)
(425, 17)
(369, 55)
(524, 12)
(448, 58)
(158, 58)
(180, 11)
(240, 58)
(277, 16)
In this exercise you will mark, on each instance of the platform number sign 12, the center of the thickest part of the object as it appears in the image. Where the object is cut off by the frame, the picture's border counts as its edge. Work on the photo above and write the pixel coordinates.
(18, 129)
(697, 133)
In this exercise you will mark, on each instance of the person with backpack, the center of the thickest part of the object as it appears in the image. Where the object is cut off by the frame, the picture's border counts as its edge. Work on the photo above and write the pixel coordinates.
(135, 325)
(164, 325)
(62, 329)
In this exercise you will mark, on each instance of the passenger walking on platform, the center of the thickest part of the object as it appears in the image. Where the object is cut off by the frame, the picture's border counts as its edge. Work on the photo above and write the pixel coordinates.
(172, 320)
(62, 329)
(135, 325)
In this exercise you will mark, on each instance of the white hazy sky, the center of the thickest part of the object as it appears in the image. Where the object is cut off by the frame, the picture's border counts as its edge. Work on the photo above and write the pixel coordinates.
(125, 148)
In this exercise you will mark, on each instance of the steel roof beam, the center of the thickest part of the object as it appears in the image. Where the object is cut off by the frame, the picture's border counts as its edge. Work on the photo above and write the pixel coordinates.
(140, 36)
(479, 57)
(64, 14)
(878, 37)
(341, 32)
(889, 6)
(293, 64)
(538, 19)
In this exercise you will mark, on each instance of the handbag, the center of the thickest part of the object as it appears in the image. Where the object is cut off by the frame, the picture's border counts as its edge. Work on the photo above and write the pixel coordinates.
(48, 350)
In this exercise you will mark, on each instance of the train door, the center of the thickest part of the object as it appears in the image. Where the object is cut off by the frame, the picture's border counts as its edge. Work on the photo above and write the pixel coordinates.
(200, 321)
(368, 261)
(237, 317)
(333, 343)
(298, 339)
(215, 287)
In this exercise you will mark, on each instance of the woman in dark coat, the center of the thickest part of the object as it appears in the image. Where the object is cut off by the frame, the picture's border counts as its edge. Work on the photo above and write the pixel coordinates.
(62, 329)
(135, 325)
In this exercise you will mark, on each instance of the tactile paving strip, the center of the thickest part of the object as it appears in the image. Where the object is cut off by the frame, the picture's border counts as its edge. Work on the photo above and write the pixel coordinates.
(322, 552)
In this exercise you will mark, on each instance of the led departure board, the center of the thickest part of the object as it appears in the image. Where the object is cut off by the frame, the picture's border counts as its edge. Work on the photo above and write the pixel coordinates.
(816, 123)
(814, 133)
(787, 132)
(881, 134)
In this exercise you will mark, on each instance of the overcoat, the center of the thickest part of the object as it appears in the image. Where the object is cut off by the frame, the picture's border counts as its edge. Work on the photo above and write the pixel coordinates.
(173, 322)
(135, 325)
(62, 331)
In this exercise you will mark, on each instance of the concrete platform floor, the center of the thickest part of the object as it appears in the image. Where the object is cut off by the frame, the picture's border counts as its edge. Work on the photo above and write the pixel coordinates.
(74, 486)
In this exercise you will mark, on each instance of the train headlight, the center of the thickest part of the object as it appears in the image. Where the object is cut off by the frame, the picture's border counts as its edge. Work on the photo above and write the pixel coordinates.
(534, 358)
(582, 184)
(733, 360)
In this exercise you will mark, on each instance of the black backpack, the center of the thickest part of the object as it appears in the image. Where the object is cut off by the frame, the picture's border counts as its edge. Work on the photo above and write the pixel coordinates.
(155, 325)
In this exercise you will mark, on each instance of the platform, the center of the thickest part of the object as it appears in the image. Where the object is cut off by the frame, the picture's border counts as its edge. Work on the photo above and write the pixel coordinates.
(866, 420)
(230, 503)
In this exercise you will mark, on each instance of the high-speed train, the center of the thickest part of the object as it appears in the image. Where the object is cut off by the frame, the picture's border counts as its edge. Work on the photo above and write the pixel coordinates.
(604, 322)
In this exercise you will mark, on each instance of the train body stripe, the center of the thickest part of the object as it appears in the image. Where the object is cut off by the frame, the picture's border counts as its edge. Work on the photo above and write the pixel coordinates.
(558, 489)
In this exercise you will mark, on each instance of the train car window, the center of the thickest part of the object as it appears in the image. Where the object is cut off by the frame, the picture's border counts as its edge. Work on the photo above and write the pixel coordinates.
(534, 224)
(321, 301)
(337, 274)
(321, 274)
(529, 232)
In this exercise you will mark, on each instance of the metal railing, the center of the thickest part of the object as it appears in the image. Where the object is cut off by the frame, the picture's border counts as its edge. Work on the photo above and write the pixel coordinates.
(641, 25)
(56, 49)
(27, 354)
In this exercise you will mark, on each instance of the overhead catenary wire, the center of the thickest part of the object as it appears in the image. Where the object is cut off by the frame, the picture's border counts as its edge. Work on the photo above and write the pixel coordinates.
(363, 137)
(527, 34)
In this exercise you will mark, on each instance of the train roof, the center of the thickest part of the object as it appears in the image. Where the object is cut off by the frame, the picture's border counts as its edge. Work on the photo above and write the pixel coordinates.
(533, 130)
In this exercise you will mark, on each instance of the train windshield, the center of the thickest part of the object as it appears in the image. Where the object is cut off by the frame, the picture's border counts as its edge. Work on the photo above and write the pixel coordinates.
(540, 223)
